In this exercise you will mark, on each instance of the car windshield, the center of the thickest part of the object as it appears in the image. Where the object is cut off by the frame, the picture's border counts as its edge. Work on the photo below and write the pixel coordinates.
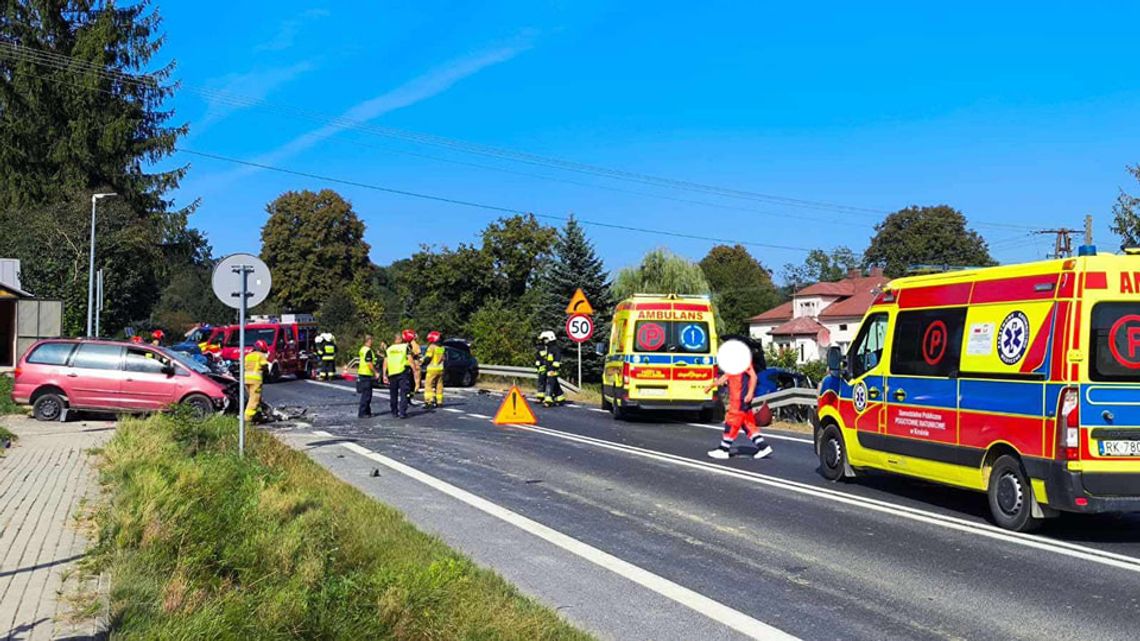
(252, 335)
(187, 360)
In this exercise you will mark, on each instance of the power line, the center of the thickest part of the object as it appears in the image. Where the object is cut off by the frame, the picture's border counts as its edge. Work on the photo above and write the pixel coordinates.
(66, 63)
(495, 208)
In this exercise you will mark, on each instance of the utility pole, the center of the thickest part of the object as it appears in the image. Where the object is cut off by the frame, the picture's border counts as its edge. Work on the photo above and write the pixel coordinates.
(1063, 244)
(1088, 229)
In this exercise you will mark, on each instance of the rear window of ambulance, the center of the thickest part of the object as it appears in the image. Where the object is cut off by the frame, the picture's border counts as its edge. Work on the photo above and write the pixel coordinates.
(683, 337)
(1115, 342)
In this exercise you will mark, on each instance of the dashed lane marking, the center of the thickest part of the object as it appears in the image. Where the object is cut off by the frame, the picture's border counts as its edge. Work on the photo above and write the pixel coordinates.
(695, 601)
(484, 416)
(452, 410)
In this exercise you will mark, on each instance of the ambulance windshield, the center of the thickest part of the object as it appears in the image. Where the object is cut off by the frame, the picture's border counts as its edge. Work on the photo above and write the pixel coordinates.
(1115, 342)
(684, 337)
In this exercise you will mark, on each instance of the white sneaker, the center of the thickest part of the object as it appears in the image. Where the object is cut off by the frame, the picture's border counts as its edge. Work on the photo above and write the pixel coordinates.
(718, 453)
(764, 453)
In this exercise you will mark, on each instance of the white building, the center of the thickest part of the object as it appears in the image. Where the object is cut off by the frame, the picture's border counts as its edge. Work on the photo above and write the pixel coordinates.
(819, 316)
(24, 319)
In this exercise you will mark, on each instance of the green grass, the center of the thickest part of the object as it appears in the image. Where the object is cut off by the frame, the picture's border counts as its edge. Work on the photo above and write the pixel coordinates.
(200, 544)
(6, 404)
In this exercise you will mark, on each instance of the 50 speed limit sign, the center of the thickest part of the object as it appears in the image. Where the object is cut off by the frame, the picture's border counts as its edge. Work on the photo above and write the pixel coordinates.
(579, 327)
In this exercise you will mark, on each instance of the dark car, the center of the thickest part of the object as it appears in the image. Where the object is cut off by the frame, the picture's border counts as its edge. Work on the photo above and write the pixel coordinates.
(460, 367)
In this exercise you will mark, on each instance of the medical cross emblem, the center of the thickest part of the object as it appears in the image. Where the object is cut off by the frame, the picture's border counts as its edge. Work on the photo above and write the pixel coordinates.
(1013, 338)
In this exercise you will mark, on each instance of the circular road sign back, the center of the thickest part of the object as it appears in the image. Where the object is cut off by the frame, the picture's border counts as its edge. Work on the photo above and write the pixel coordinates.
(227, 280)
(579, 328)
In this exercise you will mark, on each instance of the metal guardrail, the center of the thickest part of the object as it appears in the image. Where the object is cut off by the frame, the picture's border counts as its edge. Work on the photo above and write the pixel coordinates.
(511, 371)
(787, 397)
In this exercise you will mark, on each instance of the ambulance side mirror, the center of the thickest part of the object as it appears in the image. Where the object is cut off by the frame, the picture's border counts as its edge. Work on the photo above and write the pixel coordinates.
(836, 364)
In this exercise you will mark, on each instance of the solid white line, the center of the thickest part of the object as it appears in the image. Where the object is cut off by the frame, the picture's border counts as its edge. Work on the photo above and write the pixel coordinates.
(1063, 548)
(985, 530)
(778, 437)
(452, 410)
(695, 601)
(479, 415)
(332, 385)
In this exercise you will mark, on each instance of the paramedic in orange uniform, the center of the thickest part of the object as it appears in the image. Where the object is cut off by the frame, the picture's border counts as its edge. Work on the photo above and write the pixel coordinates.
(738, 413)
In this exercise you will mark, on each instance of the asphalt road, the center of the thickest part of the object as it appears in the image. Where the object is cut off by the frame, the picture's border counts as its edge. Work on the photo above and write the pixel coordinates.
(769, 540)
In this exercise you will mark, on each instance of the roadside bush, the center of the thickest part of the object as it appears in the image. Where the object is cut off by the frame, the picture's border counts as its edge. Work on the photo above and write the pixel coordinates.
(202, 544)
(6, 404)
(815, 370)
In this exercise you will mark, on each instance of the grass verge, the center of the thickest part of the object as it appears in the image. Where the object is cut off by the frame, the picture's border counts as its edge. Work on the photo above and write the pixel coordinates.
(201, 544)
(6, 404)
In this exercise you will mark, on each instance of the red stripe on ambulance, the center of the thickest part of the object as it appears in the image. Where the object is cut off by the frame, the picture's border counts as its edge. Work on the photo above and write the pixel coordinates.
(1014, 289)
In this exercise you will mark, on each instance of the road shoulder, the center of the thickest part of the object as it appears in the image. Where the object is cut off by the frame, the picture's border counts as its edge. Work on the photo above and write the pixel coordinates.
(589, 596)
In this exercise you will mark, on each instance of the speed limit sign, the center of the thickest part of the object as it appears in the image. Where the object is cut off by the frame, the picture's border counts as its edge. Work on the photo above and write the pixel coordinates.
(579, 328)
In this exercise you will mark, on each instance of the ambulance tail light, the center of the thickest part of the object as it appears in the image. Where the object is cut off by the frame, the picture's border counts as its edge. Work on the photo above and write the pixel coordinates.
(625, 373)
(1069, 424)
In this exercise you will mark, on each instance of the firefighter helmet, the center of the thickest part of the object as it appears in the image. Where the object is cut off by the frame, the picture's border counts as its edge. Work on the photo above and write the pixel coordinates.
(409, 335)
(320, 338)
(546, 336)
(433, 337)
(262, 346)
(158, 334)
(136, 339)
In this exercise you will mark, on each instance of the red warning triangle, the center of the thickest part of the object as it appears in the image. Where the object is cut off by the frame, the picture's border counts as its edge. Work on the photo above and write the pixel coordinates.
(514, 409)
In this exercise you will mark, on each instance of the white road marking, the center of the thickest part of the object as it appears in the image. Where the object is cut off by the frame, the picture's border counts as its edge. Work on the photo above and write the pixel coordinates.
(452, 410)
(332, 385)
(778, 437)
(985, 530)
(321, 433)
(695, 601)
(479, 415)
(595, 409)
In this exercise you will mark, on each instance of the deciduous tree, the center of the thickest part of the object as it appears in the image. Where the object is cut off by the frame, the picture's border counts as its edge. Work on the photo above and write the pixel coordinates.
(925, 236)
(820, 266)
(740, 285)
(1126, 214)
(313, 243)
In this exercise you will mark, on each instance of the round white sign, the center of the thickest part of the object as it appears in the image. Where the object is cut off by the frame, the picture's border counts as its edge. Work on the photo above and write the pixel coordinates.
(227, 280)
(579, 328)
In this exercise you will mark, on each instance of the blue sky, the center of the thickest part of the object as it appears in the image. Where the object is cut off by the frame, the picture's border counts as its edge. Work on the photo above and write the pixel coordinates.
(1021, 115)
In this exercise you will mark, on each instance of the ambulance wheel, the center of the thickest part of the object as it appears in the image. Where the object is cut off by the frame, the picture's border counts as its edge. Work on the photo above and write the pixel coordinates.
(832, 454)
(1011, 496)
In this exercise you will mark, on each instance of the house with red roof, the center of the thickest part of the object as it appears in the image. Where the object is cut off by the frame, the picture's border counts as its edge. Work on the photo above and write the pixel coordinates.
(819, 316)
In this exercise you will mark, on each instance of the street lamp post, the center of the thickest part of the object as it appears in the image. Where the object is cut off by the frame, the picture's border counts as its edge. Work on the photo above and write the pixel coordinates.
(91, 267)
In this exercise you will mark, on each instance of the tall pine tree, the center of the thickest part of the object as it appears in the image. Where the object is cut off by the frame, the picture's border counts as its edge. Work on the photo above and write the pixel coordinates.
(575, 265)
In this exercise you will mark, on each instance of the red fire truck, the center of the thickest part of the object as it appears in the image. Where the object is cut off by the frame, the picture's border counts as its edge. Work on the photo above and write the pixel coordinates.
(290, 339)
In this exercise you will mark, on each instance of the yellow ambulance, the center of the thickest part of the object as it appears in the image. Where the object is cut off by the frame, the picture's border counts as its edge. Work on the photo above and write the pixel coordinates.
(1020, 381)
(661, 356)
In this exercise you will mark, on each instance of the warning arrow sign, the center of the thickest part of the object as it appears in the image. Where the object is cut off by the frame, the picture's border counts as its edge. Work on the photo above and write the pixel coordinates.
(514, 409)
(579, 304)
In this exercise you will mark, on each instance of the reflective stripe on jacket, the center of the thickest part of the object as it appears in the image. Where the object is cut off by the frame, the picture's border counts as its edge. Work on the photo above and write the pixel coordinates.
(434, 355)
(254, 361)
(328, 352)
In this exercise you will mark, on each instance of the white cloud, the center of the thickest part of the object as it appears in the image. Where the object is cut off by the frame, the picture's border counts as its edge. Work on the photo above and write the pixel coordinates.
(243, 90)
(416, 90)
(289, 30)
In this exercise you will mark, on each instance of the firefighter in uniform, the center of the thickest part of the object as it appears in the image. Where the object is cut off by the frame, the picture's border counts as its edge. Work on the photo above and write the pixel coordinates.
(255, 361)
(409, 336)
(433, 387)
(365, 373)
(553, 361)
(540, 367)
(326, 347)
(398, 375)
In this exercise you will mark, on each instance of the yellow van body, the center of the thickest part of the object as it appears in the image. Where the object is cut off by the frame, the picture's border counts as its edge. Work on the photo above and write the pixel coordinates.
(1037, 362)
(661, 355)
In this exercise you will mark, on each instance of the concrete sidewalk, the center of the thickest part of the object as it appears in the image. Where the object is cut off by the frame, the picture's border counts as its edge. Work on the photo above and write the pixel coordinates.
(44, 479)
